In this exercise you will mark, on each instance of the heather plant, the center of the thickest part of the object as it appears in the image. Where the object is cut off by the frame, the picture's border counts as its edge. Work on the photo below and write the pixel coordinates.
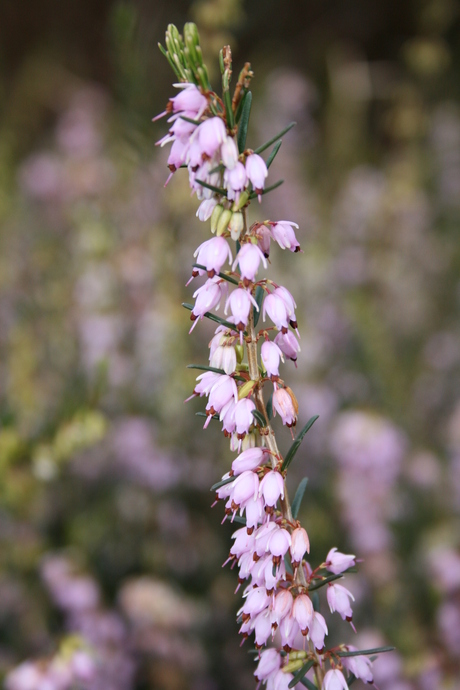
(283, 593)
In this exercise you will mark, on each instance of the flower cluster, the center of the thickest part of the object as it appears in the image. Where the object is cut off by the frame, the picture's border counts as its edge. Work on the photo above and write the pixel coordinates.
(280, 602)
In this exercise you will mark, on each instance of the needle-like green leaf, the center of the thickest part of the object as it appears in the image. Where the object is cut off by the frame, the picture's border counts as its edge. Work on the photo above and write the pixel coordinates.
(296, 445)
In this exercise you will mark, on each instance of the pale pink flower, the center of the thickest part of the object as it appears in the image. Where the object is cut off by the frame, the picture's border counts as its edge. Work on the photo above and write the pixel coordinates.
(235, 180)
(213, 254)
(206, 208)
(243, 543)
(211, 135)
(227, 419)
(360, 666)
(224, 357)
(262, 628)
(288, 629)
(271, 355)
(208, 297)
(279, 543)
(249, 459)
(245, 488)
(282, 403)
(288, 299)
(177, 155)
(318, 631)
(189, 98)
(338, 562)
(263, 536)
(281, 681)
(221, 393)
(272, 487)
(246, 565)
(240, 301)
(182, 129)
(338, 598)
(242, 414)
(263, 239)
(282, 605)
(334, 680)
(283, 233)
(255, 512)
(302, 611)
(257, 600)
(229, 153)
(256, 171)
(299, 545)
(277, 311)
(269, 663)
(248, 260)
(206, 382)
(288, 344)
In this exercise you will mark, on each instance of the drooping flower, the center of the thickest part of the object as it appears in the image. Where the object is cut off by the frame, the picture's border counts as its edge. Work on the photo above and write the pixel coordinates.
(288, 344)
(257, 172)
(338, 562)
(271, 354)
(284, 405)
(283, 233)
(213, 254)
(269, 663)
(302, 611)
(338, 598)
(334, 680)
(360, 666)
(248, 260)
(299, 545)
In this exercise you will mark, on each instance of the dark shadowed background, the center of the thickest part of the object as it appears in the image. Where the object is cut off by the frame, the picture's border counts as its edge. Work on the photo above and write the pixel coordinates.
(108, 544)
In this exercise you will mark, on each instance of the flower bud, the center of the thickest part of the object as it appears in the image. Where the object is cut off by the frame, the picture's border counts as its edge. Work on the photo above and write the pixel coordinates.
(223, 221)
(242, 201)
(299, 545)
(236, 225)
(216, 214)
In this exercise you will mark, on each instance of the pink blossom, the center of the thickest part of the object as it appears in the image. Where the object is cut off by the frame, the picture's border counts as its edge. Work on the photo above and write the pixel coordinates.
(206, 208)
(203, 174)
(206, 382)
(246, 565)
(262, 628)
(262, 234)
(282, 605)
(235, 180)
(224, 357)
(299, 545)
(272, 487)
(334, 680)
(318, 631)
(302, 611)
(283, 233)
(245, 488)
(182, 129)
(289, 629)
(226, 417)
(221, 393)
(283, 404)
(248, 259)
(257, 600)
(360, 666)
(256, 171)
(289, 302)
(189, 98)
(263, 536)
(269, 663)
(177, 155)
(243, 543)
(279, 543)
(280, 681)
(288, 344)
(240, 301)
(211, 134)
(338, 598)
(242, 414)
(208, 297)
(249, 459)
(229, 153)
(213, 253)
(338, 562)
(271, 355)
(277, 311)
(255, 511)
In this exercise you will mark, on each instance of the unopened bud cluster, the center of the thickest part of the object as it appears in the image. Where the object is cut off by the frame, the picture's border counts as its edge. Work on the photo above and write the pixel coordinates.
(269, 550)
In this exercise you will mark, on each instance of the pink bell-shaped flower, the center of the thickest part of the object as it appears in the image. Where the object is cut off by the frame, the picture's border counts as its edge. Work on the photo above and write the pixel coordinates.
(235, 180)
(334, 680)
(262, 628)
(360, 666)
(229, 153)
(288, 629)
(283, 233)
(277, 311)
(256, 171)
(212, 254)
(318, 631)
(279, 543)
(337, 562)
(299, 545)
(288, 344)
(211, 135)
(302, 611)
(248, 259)
(282, 606)
(284, 405)
(272, 488)
(249, 459)
(269, 663)
(271, 355)
(338, 598)
(239, 301)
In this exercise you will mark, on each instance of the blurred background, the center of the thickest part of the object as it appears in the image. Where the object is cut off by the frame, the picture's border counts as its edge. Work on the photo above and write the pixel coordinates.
(110, 555)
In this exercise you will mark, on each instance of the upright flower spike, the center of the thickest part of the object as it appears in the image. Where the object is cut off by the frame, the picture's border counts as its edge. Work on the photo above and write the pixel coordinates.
(268, 551)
